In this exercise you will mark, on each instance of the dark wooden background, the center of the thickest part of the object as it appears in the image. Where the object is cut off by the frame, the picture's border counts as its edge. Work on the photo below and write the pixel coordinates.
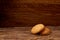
(29, 12)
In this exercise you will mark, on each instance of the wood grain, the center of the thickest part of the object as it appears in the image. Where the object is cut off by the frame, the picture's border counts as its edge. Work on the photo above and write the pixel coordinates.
(30, 12)
(23, 33)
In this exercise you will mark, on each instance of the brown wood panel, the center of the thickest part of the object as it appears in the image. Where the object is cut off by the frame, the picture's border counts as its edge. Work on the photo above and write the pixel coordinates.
(23, 33)
(28, 13)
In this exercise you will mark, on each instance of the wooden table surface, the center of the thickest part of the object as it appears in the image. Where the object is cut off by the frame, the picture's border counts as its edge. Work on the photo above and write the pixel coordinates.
(23, 33)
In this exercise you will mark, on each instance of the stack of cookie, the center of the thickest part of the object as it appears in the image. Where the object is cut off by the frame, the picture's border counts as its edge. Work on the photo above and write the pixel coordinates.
(40, 29)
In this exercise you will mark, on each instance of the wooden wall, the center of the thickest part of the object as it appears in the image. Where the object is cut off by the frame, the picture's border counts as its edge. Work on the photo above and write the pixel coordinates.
(29, 12)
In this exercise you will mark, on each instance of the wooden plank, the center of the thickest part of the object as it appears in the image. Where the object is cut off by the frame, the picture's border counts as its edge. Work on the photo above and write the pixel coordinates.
(23, 33)
(23, 13)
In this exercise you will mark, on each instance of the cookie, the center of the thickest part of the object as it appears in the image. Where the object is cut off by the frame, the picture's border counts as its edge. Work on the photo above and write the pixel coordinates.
(37, 28)
(46, 31)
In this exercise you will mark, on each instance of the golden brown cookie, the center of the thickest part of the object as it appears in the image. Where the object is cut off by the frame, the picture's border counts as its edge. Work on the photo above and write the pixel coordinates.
(37, 28)
(46, 31)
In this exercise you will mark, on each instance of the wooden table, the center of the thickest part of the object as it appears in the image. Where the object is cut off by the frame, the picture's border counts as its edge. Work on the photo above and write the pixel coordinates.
(23, 33)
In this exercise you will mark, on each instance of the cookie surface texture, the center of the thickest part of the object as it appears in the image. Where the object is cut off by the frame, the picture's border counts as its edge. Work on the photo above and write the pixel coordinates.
(37, 28)
(46, 31)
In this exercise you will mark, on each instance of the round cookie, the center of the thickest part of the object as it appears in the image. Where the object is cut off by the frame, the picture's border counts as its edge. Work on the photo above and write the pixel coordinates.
(37, 28)
(46, 31)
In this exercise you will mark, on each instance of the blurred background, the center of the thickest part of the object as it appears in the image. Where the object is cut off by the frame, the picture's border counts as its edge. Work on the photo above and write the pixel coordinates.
(21, 13)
